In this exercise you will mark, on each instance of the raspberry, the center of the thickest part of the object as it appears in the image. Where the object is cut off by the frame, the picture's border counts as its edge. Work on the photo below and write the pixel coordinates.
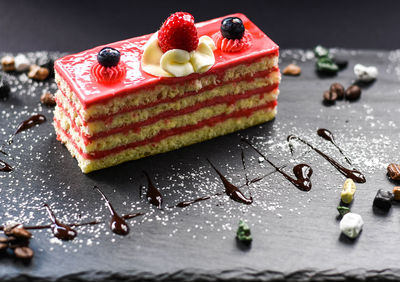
(178, 32)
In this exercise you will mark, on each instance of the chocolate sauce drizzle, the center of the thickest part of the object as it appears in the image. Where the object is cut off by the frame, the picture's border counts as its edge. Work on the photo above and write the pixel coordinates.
(327, 135)
(26, 124)
(153, 195)
(303, 172)
(59, 229)
(354, 174)
(65, 231)
(32, 121)
(231, 190)
(190, 202)
(254, 180)
(244, 167)
(94, 222)
(5, 167)
(118, 224)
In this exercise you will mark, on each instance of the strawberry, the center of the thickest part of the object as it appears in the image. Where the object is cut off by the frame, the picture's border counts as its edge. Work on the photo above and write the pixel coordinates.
(178, 32)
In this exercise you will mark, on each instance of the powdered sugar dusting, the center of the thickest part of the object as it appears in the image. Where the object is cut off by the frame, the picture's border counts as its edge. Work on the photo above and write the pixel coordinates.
(43, 168)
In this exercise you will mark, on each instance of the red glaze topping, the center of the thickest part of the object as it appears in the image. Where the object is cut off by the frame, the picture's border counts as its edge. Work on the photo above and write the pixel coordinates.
(108, 75)
(76, 69)
(232, 45)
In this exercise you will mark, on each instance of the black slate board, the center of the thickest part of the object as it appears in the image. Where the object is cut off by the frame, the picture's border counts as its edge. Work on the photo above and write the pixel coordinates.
(296, 234)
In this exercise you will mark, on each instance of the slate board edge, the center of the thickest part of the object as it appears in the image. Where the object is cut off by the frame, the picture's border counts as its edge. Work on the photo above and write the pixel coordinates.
(244, 274)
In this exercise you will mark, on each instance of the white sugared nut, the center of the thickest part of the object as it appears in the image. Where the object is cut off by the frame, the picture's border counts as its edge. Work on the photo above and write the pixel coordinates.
(351, 225)
(21, 63)
(365, 73)
(8, 63)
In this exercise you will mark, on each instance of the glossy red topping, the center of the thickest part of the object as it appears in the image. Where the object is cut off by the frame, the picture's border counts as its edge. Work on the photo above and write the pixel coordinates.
(76, 69)
(232, 45)
(178, 32)
(108, 75)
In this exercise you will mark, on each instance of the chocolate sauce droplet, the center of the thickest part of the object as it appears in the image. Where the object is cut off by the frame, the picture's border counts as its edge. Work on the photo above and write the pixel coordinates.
(59, 229)
(327, 135)
(118, 224)
(354, 174)
(153, 195)
(32, 121)
(231, 190)
(303, 172)
(5, 166)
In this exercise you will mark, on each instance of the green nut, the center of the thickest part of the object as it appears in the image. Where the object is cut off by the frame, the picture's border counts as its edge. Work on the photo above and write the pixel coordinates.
(325, 64)
(320, 51)
(243, 233)
(343, 210)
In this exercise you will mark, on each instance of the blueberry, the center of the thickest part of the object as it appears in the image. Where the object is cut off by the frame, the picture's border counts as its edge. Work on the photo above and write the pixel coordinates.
(4, 88)
(232, 28)
(108, 57)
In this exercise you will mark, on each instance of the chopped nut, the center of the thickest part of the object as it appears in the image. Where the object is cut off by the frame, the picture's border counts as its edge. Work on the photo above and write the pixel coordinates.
(48, 99)
(383, 200)
(343, 210)
(365, 73)
(330, 97)
(338, 89)
(347, 194)
(396, 193)
(321, 51)
(292, 69)
(353, 93)
(19, 233)
(10, 226)
(21, 63)
(23, 253)
(243, 233)
(351, 225)
(393, 171)
(327, 66)
(3, 247)
(38, 73)
(8, 63)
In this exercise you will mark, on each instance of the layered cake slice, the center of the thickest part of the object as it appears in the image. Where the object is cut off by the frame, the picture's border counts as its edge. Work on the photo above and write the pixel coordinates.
(184, 84)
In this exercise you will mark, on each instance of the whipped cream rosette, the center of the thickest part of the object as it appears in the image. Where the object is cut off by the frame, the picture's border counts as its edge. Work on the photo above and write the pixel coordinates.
(177, 62)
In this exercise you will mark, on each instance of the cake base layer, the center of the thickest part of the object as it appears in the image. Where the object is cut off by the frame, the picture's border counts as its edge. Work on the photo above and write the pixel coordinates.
(167, 144)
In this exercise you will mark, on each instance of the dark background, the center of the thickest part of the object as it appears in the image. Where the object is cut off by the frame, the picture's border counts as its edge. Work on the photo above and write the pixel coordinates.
(80, 24)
